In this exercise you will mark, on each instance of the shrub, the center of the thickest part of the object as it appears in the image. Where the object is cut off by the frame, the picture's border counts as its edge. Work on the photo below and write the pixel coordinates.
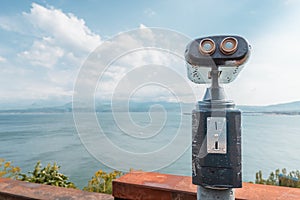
(49, 175)
(291, 179)
(7, 170)
(102, 182)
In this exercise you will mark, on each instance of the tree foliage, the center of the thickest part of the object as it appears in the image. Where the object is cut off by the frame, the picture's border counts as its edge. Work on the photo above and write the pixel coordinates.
(291, 179)
(102, 182)
(48, 175)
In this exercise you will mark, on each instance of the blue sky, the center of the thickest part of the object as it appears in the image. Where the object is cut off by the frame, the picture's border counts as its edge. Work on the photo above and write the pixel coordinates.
(44, 43)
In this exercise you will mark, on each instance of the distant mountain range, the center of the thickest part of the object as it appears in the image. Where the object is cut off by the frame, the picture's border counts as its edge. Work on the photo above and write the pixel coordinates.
(292, 108)
(104, 107)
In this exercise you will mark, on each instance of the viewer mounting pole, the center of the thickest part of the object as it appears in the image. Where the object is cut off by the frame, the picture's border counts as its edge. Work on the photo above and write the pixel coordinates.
(213, 194)
(214, 93)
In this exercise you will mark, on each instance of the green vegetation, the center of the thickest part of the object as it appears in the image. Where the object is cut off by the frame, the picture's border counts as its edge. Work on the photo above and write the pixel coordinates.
(49, 175)
(291, 179)
(102, 182)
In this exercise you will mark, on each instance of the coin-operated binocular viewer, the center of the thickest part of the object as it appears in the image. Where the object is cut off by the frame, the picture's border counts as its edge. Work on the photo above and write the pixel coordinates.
(216, 124)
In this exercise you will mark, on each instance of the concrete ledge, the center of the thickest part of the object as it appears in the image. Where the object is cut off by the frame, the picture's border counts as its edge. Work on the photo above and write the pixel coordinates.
(20, 190)
(156, 186)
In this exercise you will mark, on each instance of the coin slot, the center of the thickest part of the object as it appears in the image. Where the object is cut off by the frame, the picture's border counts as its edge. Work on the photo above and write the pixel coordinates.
(216, 135)
(216, 145)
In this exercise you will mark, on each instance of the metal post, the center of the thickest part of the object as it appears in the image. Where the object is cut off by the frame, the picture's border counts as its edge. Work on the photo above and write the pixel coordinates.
(214, 93)
(212, 194)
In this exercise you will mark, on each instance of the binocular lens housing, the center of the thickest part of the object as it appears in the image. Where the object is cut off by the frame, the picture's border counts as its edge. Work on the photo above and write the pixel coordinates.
(207, 46)
(229, 45)
(202, 55)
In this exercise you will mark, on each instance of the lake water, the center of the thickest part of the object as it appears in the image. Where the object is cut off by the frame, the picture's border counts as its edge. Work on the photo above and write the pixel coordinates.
(268, 142)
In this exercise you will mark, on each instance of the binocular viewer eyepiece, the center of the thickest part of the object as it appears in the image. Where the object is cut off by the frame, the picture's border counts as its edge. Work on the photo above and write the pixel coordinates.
(228, 54)
(228, 46)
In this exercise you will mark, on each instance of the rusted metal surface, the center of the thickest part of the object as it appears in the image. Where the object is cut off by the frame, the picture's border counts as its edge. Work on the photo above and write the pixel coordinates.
(156, 186)
(19, 190)
(142, 185)
(267, 192)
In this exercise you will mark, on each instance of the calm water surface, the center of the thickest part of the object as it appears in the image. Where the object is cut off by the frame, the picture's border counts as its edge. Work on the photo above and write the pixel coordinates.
(269, 142)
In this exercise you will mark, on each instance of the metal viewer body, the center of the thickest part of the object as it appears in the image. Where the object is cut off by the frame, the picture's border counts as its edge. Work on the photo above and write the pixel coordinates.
(216, 124)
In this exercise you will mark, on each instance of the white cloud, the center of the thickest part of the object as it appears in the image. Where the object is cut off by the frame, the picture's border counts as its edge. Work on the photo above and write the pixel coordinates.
(43, 53)
(272, 75)
(136, 64)
(63, 40)
(62, 77)
(65, 29)
(35, 93)
(143, 26)
(2, 59)
(60, 44)
(133, 71)
(46, 91)
(5, 24)
(15, 24)
(149, 12)
(20, 84)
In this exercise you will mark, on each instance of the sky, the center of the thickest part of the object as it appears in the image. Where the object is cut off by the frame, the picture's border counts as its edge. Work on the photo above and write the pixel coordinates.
(43, 45)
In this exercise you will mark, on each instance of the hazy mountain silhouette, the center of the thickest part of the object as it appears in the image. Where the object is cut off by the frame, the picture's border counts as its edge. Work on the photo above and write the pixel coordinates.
(284, 108)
